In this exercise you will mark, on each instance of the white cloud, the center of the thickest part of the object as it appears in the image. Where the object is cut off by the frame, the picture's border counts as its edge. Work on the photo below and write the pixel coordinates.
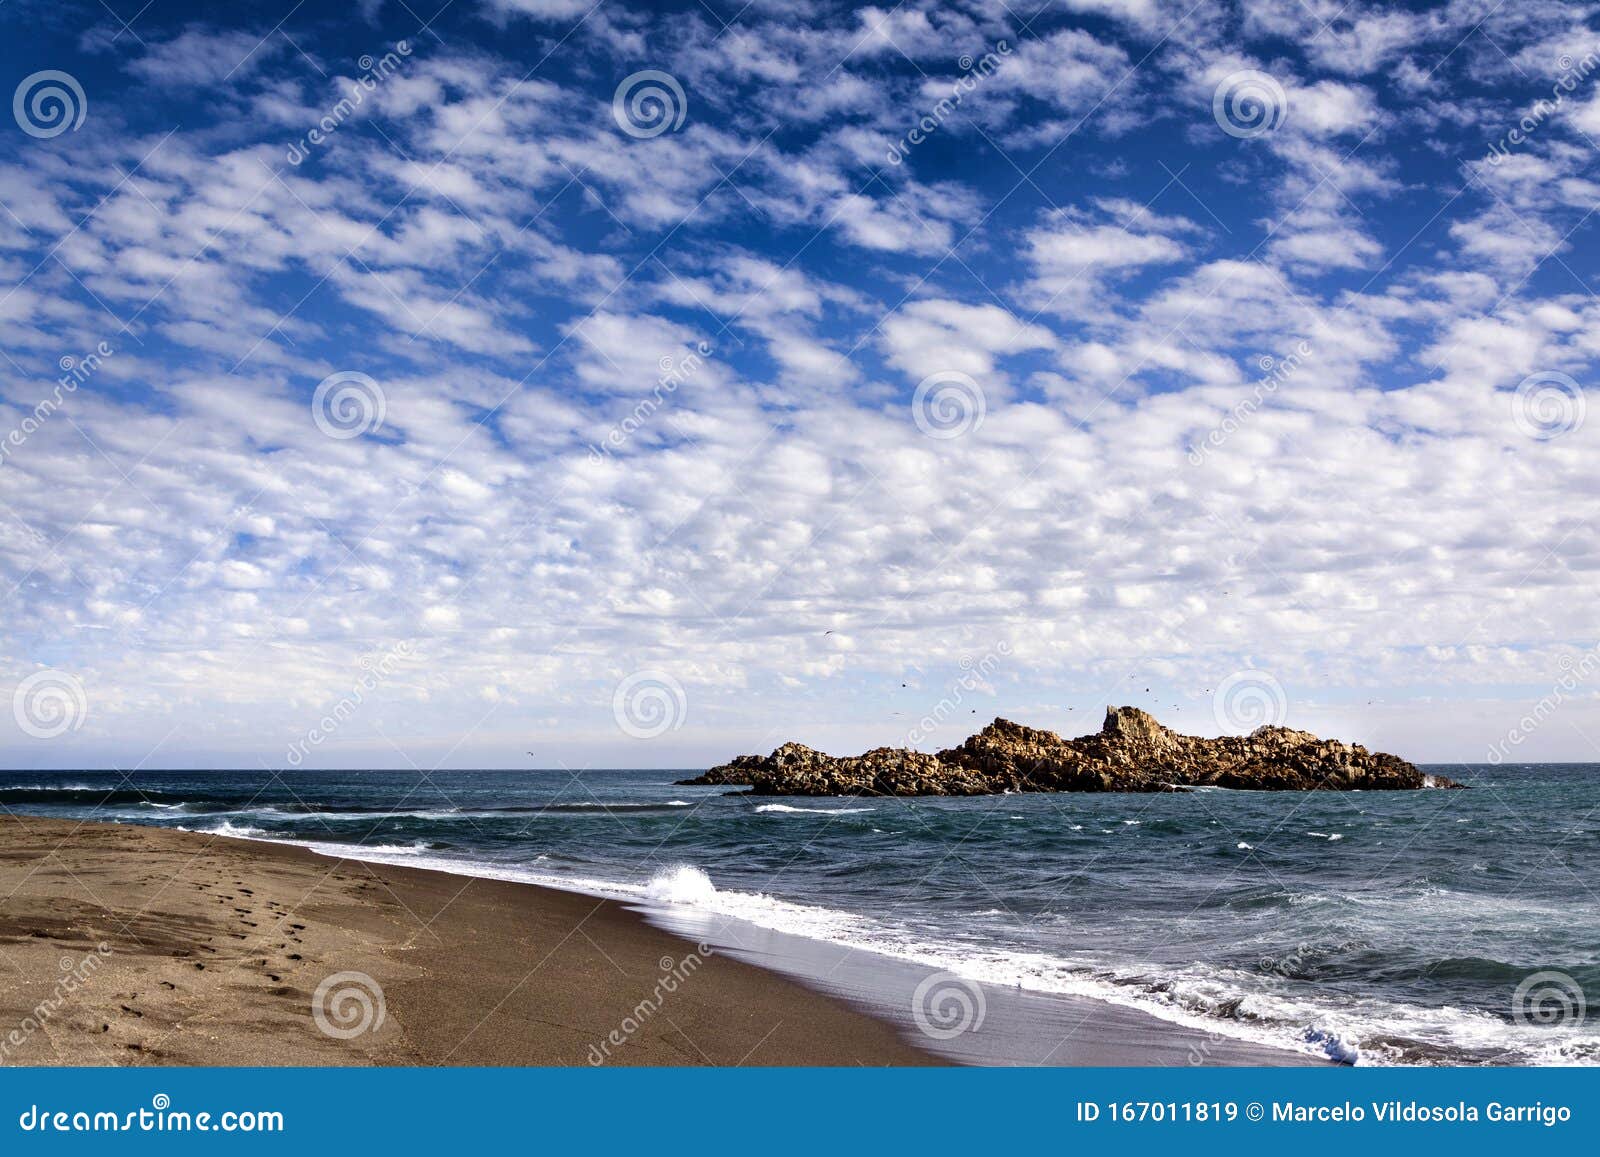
(513, 272)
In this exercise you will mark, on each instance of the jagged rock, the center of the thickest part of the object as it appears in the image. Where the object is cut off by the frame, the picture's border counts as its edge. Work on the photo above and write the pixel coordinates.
(1131, 752)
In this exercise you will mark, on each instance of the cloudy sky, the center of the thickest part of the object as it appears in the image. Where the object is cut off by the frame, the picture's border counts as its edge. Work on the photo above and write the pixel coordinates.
(639, 385)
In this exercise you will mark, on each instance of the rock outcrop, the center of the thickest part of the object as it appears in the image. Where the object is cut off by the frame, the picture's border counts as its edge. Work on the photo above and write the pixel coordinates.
(1131, 752)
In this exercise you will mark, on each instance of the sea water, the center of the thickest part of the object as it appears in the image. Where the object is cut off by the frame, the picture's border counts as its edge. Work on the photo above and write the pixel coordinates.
(1426, 927)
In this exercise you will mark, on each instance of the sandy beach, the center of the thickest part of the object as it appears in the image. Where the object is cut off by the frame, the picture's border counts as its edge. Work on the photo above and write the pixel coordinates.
(123, 945)
(128, 945)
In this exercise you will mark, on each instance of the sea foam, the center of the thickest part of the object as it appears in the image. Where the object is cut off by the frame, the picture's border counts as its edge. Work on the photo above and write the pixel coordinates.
(682, 884)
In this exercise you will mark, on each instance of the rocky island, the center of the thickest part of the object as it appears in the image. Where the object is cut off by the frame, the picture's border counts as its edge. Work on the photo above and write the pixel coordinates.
(1131, 752)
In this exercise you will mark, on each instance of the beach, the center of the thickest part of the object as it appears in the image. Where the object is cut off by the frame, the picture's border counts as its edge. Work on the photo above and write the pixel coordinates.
(1214, 927)
(131, 945)
(150, 947)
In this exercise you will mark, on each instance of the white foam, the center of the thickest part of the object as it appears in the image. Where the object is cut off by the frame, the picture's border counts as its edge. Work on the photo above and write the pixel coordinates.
(226, 828)
(683, 884)
(1336, 1046)
(788, 809)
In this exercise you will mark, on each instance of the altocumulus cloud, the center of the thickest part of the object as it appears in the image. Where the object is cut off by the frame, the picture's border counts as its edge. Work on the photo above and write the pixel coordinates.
(881, 420)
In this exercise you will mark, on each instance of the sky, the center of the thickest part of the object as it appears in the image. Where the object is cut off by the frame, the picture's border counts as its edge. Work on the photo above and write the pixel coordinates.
(546, 383)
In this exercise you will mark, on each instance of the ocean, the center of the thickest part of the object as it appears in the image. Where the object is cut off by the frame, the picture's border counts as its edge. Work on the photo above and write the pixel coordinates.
(1428, 927)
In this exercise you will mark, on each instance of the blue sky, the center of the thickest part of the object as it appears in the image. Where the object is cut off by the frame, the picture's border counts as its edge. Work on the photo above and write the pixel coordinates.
(639, 385)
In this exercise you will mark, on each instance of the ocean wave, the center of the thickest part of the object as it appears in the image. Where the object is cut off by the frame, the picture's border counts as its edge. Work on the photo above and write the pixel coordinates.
(226, 828)
(682, 884)
(790, 809)
(1206, 998)
(78, 793)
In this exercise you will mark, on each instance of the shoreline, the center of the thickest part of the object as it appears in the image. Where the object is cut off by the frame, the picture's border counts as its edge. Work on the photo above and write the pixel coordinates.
(123, 944)
(477, 970)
